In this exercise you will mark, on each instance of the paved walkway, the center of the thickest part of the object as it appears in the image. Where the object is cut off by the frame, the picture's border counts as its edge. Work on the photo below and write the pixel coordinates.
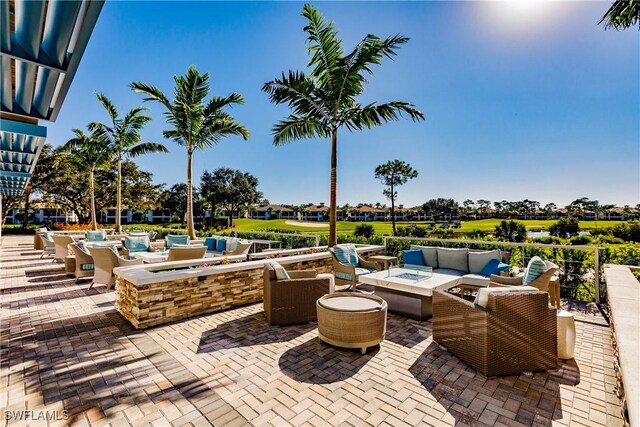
(65, 348)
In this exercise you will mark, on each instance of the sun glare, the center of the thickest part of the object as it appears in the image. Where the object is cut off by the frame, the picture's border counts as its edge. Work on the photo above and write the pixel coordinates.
(519, 15)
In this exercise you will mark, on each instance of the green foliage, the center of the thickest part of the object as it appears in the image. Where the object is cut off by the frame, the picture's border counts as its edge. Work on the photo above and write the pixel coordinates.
(608, 239)
(511, 231)
(548, 240)
(580, 240)
(412, 230)
(364, 230)
(394, 174)
(440, 207)
(565, 227)
(621, 15)
(229, 189)
(625, 254)
(477, 235)
(629, 231)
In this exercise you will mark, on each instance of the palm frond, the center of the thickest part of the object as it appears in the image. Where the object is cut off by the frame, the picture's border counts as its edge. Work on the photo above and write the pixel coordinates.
(622, 14)
(324, 45)
(373, 115)
(108, 105)
(293, 128)
(153, 93)
(147, 148)
(298, 91)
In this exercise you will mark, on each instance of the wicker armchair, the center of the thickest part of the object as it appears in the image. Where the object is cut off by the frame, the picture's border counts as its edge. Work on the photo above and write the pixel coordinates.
(515, 333)
(181, 253)
(105, 260)
(153, 247)
(288, 302)
(84, 262)
(347, 275)
(62, 242)
(47, 245)
(541, 282)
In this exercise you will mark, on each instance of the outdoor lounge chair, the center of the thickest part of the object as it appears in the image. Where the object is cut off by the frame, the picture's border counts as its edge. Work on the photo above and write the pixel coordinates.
(293, 300)
(547, 282)
(181, 253)
(348, 266)
(62, 243)
(513, 332)
(141, 243)
(241, 249)
(48, 245)
(84, 262)
(105, 260)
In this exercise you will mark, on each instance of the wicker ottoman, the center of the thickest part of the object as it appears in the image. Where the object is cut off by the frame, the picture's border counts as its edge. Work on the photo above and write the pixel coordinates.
(352, 320)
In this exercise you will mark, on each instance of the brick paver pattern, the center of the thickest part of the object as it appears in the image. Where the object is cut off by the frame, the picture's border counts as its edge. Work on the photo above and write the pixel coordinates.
(65, 347)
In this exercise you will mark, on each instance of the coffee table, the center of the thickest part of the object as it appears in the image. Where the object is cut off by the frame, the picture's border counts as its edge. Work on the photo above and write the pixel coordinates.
(408, 291)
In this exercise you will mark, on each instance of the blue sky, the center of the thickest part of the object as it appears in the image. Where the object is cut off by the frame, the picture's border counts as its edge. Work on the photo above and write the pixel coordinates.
(522, 100)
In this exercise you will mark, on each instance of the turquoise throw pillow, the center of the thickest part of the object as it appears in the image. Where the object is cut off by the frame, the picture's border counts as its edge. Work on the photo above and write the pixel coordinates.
(136, 243)
(346, 254)
(221, 245)
(535, 269)
(494, 267)
(413, 257)
(179, 239)
(210, 243)
(82, 245)
(96, 235)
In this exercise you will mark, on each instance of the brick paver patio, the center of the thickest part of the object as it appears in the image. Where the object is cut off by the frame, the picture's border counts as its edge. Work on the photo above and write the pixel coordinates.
(65, 347)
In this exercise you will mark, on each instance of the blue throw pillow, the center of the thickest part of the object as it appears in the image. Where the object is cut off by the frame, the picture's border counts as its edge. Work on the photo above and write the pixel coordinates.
(136, 244)
(413, 257)
(180, 239)
(210, 243)
(502, 267)
(490, 268)
(346, 254)
(221, 245)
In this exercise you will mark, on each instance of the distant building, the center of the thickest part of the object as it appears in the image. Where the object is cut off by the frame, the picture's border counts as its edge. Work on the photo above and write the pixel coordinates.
(272, 212)
(318, 212)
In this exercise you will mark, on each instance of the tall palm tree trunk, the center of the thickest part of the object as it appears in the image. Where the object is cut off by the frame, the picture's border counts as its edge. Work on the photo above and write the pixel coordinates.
(393, 212)
(332, 202)
(119, 198)
(94, 220)
(190, 229)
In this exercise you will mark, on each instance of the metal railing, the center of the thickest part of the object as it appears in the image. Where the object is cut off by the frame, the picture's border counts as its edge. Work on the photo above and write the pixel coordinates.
(468, 243)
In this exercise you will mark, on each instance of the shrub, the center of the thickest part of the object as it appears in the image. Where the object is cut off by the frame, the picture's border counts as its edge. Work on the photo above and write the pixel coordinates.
(364, 230)
(625, 255)
(565, 227)
(477, 235)
(600, 232)
(629, 231)
(605, 238)
(547, 240)
(411, 230)
(511, 231)
(580, 240)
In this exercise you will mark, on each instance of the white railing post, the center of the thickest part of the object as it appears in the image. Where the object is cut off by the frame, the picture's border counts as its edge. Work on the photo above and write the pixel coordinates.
(596, 273)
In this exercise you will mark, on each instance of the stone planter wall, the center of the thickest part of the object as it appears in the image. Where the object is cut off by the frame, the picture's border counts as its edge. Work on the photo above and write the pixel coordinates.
(146, 304)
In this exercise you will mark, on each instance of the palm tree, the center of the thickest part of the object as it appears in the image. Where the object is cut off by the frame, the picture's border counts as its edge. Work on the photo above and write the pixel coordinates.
(325, 101)
(197, 124)
(92, 152)
(123, 135)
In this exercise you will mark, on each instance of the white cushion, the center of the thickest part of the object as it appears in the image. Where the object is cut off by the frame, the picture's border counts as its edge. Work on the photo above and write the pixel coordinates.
(482, 299)
(281, 273)
(474, 280)
(454, 259)
(477, 260)
(429, 253)
(232, 244)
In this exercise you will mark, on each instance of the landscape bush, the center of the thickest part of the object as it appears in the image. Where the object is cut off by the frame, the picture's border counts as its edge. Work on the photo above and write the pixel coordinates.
(565, 227)
(411, 230)
(628, 231)
(511, 231)
(364, 230)
(580, 240)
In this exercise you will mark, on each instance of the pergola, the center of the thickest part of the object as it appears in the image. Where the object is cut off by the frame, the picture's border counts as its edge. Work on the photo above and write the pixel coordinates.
(41, 45)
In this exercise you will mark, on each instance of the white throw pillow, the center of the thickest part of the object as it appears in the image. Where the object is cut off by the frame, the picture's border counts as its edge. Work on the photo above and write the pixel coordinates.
(281, 273)
(429, 253)
(482, 298)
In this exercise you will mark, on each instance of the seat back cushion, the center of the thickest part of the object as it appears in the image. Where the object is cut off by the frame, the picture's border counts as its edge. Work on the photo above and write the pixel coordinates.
(535, 269)
(455, 259)
(210, 243)
(482, 298)
(429, 254)
(413, 257)
(179, 239)
(281, 273)
(136, 243)
(221, 245)
(346, 254)
(232, 244)
(478, 260)
(82, 245)
(96, 235)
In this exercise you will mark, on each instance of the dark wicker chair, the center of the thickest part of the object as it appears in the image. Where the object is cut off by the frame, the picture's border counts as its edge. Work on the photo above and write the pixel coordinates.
(516, 333)
(287, 302)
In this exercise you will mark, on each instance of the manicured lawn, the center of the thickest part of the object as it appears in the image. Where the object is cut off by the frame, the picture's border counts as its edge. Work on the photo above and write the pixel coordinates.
(383, 227)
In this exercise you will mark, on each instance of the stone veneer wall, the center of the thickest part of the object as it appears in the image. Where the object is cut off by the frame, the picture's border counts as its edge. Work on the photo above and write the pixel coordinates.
(156, 303)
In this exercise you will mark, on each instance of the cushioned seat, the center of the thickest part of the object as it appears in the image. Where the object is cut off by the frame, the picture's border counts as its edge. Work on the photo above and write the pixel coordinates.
(449, 271)
(359, 272)
(474, 280)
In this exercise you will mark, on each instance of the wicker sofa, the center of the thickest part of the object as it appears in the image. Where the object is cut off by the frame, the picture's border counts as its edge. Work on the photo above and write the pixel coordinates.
(292, 301)
(514, 332)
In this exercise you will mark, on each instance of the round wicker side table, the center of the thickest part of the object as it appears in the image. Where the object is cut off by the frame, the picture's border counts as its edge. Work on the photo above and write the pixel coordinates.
(352, 320)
